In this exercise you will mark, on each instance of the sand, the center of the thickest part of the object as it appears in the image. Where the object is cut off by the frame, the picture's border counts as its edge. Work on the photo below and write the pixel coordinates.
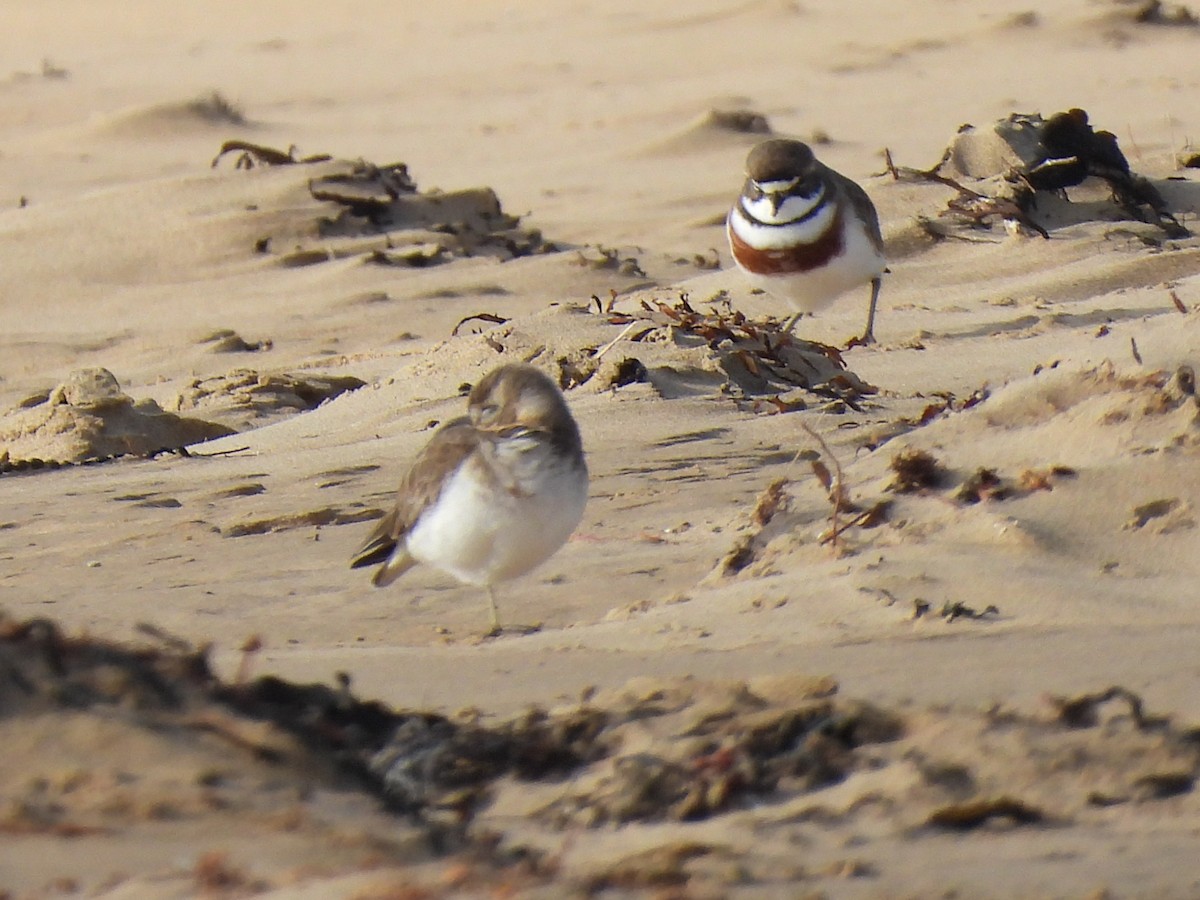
(582, 151)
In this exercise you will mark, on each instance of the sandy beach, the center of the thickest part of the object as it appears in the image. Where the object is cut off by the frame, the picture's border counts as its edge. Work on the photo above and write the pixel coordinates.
(746, 694)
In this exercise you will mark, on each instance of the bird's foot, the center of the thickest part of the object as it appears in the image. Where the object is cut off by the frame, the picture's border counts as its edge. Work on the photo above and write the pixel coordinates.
(499, 630)
(865, 339)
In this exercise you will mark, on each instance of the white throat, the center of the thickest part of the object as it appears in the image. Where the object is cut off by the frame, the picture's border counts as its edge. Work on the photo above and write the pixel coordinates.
(788, 230)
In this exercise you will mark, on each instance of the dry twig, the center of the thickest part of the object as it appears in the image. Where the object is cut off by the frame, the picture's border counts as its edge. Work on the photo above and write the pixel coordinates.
(833, 485)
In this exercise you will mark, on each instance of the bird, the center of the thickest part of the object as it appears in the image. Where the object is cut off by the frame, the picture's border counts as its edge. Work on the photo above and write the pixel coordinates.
(493, 494)
(804, 233)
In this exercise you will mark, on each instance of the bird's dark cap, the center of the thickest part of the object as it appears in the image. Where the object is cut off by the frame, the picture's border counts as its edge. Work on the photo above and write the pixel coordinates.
(779, 160)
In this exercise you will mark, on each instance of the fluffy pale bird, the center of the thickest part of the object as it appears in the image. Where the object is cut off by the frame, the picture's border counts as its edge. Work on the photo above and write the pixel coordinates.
(493, 494)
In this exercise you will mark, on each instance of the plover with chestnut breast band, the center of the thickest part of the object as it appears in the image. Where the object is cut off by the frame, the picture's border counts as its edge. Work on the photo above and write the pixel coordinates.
(805, 233)
(493, 494)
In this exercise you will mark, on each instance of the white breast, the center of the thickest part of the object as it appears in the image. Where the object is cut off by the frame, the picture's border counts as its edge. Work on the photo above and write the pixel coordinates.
(859, 262)
(483, 536)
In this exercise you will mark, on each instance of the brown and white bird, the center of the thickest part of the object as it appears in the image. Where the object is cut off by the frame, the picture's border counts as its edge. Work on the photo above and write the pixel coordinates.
(493, 494)
(805, 233)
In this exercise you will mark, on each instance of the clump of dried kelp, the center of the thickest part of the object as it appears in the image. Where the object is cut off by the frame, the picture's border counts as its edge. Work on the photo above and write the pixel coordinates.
(378, 214)
(758, 357)
(1023, 157)
(677, 349)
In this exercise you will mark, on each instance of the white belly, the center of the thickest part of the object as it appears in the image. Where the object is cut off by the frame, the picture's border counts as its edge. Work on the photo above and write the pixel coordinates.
(482, 536)
(806, 292)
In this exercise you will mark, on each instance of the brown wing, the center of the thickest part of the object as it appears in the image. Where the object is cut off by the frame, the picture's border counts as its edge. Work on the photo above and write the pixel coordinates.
(420, 487)
(861, 202)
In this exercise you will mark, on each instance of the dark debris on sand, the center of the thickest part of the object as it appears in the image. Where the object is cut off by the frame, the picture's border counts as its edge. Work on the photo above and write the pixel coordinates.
(657, 750)
(369, 201)
(1041, 157)
(759, 358)
(425, 763)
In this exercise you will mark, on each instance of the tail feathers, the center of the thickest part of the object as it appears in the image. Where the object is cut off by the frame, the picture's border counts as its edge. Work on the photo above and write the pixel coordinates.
(382, 548)
(376, 550)
(397, 564)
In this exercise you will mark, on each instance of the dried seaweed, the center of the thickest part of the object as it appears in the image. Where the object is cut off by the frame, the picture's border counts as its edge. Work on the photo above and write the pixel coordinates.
(367, 189)
(1083, 711)
(1155, 12)
(915, 470)
(983, 484)
(407, 227)
(947, 402)
(965, 816)
(658, 750)
(967, 205)
(601, 258)
(834, 485)
(956, 609)
(478, 317)
(423, 762)
(770, 502)
(752, 756)
(252, 155)
(1051, 154)
(757, 354)
(952, 610)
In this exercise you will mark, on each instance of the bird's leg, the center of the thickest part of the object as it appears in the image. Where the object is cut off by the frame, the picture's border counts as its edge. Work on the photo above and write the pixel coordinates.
(868, 335)
(498, 629)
